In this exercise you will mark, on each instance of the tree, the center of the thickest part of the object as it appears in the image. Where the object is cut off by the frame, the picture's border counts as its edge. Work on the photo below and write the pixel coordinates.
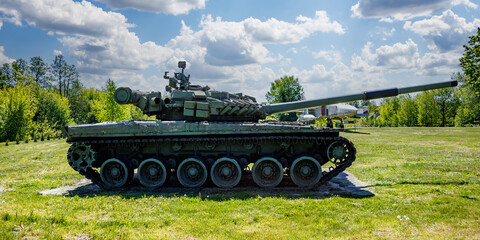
(6, 76)
(114, 112)
(388, 112)
(52, 108)
(19, 68)
(468, 110)
(285, 89)
(448, 105)
(39, 69)
(407, 112)
(428, 109)
(17, 108)
(470, 62)
(106, 109)
(65, 75)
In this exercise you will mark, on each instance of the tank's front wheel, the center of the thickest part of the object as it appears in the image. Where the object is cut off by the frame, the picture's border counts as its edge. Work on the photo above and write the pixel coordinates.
(114, 173)
(226, 173)
(267, 172)
(305, 172)
(192, 173)
(152, 173)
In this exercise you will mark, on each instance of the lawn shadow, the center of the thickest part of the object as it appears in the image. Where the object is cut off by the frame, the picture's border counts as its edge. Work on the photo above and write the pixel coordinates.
(419, 183)
(344, 185)
(352, 130)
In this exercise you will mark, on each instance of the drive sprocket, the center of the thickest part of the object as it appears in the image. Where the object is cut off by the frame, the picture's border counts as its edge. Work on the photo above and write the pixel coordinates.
(81, 157)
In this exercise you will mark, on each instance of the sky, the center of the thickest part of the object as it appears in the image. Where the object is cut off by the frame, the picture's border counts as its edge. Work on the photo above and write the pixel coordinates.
(332, 47)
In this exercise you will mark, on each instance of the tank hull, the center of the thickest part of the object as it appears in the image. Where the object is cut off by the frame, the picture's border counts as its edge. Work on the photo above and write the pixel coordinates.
(195, 152)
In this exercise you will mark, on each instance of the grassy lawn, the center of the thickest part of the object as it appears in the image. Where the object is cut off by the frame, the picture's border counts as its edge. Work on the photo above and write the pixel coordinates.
(426, 183)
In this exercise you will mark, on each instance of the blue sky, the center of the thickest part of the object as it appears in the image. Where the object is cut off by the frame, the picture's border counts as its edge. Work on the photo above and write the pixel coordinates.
(333, 47)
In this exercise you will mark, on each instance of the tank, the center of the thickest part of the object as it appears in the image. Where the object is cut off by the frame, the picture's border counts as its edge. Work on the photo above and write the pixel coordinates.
(205, 137)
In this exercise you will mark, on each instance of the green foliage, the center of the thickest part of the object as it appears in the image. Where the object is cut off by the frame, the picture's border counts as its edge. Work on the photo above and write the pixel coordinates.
(388, 112)
(106, 109)
(285, 89)
(65, 75)
(53, 109)
(38, 69)
(428, 109)
(6, 76)
(407, 112)
(17, 108)
(468, 112)
(448, 105)
(81, 105)
(470, 62)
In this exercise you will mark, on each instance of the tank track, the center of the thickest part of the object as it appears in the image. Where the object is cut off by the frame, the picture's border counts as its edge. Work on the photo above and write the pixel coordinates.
(332, 172)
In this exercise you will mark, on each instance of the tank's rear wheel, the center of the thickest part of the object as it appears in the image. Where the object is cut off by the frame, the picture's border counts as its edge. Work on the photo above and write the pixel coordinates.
(340, 151)
(226, 172)
(267, 172)
(114, 173)
(192, 173)
(305, 172)
(152, 173)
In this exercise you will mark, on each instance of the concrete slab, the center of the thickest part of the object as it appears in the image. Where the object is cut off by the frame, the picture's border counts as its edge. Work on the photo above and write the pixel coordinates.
(345, 184)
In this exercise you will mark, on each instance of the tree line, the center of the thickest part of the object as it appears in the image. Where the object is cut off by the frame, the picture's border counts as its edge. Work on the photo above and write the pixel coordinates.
(445, 107)
(458, 106)
(37, 99)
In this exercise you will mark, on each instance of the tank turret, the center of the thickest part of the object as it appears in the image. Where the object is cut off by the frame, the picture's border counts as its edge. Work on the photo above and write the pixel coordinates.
(185, 101)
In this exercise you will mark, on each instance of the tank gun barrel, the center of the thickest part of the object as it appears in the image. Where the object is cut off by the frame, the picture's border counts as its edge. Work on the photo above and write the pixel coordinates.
(367, 95)
(125, 95)
(149, 103)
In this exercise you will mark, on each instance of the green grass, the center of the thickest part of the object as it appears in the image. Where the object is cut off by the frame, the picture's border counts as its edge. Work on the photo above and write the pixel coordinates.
(425, 180)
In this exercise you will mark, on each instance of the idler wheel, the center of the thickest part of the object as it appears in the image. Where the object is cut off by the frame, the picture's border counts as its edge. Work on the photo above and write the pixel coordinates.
(192, 173)
(305, 172)
(152, 173)
(267, 172)
(339, 152)
(114, 173)
(226, 173)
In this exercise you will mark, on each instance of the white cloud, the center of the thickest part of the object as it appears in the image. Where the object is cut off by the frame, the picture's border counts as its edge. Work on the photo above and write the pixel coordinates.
(403, 57)
(383, 32)
(362, 65)
(367, 52)
(399, 56)
(445, 32)
(275, 31)
(57, 52)
(435, 63)
(331, 56)
(402, 10)
(394, 58)
(340, 79)
(3, 58)
(224, 43)
(174, 7)
(66, 16)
